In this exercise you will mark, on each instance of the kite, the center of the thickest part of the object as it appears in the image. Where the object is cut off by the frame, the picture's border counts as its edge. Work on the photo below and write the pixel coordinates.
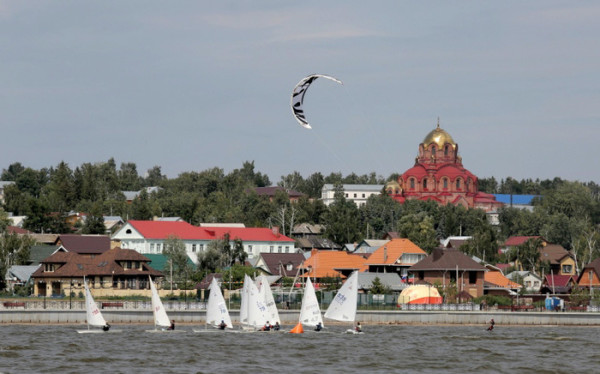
(298, 97)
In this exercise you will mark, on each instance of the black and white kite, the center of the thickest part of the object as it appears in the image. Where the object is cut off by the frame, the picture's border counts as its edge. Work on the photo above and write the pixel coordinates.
(298, 97)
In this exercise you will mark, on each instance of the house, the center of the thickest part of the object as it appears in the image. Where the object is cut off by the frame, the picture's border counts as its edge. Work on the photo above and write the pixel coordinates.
(455, 241)
(132, 195)
(270, 193)
(331, 264)
(38, 253)
(395, 256)
(282, 264)
(558, 284)
(590, 275)
(160, 262)
(447, 266)
(150, 236)
(495, 283)
(115, 272)
(561, 261)
(357, 193)
(304, 230)
(19, 275)
(87, 245)
(389, 280)
(309, 243)
(515, 241)
(531, 281)
(48, 239)
(368, 246)
(112, 223)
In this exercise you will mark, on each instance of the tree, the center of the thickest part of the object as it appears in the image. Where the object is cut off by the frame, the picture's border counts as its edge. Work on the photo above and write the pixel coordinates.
(341, 220)
(378, 288)
(174, 251)
(94, 223)
(419, 229)
(14, 250)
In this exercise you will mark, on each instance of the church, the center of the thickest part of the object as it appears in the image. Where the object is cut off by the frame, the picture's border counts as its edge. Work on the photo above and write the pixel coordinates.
(439, 175)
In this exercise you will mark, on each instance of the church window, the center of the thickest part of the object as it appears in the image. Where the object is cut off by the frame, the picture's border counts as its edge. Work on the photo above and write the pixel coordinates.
(445, 183)
(424, 183)
(412, 183)
(433, 150)
(458, 184)
(446, 151)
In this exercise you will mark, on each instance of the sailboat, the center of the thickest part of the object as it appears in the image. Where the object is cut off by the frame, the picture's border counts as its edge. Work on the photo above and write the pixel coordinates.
(343, 305)
(216, 309)
(254, 311)
(161, 320)
(269, 300)
(94, 317)
(310, 312)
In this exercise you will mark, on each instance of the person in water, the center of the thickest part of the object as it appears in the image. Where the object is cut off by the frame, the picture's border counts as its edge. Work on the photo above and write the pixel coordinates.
(222, 325)
(172, 327)
(106, 327)
(492, 323)
(358, 328)
(276, 327)
(319, 327)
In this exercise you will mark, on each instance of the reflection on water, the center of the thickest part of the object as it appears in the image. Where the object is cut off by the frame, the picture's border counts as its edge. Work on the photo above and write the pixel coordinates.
(382, 349)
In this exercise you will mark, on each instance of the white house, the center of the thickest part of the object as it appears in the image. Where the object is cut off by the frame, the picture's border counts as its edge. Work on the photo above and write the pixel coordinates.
(358, 193)
(150, 236)
(531, 281)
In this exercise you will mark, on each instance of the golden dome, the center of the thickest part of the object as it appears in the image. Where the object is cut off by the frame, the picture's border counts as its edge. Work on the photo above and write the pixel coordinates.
(438, 136)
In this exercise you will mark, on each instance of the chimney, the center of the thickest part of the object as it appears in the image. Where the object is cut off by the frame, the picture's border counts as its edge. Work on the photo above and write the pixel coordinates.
(275, 230)
(385, 254)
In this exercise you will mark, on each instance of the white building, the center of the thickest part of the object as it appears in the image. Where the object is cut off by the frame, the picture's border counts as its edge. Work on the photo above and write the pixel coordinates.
(358, 193)
(150, 237)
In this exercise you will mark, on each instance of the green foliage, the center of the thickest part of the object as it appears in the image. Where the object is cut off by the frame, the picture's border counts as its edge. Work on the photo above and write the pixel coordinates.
(378, 288)
(94, 223)
(174, 250)
(492, 300)
(419, 228)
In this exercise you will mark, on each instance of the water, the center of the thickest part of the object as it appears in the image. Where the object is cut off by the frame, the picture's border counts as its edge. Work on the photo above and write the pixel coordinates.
(382, 349)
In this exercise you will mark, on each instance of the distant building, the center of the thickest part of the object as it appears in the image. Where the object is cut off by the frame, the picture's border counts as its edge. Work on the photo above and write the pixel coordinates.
(357, 193)
(270, 192)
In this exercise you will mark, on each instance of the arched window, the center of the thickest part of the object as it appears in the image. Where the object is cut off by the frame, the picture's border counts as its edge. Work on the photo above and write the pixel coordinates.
(412, 183)
(424, 184)
(445, 182)
(458, 184)
(446, 151)
(433, 150)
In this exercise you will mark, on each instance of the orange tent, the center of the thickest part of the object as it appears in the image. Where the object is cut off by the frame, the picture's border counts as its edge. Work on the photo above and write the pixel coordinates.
(420, 294)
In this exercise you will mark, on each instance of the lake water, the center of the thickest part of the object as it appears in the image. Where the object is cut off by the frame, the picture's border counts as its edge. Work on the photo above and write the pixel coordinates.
(382, 349)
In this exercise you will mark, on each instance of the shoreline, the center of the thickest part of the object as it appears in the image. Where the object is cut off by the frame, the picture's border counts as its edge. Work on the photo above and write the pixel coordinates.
(290, 317)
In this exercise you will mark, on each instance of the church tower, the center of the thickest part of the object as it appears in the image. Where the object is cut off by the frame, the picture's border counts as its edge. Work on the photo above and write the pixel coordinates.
(439, 175)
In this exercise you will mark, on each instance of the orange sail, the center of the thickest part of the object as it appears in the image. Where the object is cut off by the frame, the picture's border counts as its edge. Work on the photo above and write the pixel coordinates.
(298, 329)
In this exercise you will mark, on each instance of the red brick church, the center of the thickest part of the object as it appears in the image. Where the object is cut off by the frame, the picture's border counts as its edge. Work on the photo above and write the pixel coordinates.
(439, 175)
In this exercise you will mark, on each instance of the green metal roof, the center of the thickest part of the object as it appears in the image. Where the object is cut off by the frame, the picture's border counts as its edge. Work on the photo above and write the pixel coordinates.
(159, 261)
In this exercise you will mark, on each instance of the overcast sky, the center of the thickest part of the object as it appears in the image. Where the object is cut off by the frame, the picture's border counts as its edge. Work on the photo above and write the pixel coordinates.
(191, 85)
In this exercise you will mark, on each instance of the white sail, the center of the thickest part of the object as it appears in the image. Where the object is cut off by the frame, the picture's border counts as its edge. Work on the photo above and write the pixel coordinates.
(160, 315)
(310, 312)
(216, 310)
(93, 315)
(343, 305)
(244, 303)
(265, 290)
(257, 310)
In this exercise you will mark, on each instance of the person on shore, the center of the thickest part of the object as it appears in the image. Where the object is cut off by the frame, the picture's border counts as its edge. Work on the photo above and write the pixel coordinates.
(222, 325)
(106, 327)
(276, 327)
(358, 328)
(319, 327)
(492, 323)
(172, 327)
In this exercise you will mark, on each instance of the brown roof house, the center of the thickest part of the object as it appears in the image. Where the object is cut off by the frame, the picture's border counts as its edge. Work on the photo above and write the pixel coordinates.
(561, 261)
(116, 272)
(450, 266)
(87, 245)
(590, 275)
(282, 264)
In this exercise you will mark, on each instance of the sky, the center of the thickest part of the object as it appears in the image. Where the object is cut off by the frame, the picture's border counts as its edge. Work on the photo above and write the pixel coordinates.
(192, 85)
